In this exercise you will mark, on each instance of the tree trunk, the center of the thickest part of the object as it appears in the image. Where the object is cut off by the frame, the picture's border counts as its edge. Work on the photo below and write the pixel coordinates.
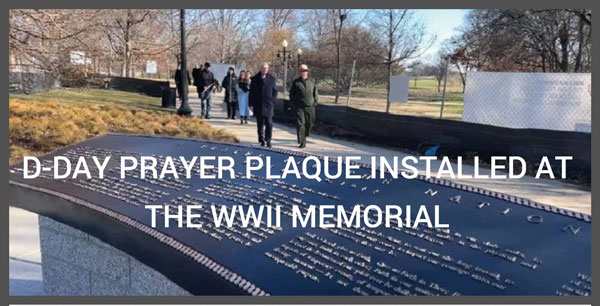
(390, 58)
(564, 48)
(338, 37)
(338, 72)
(338, 77)
(580, 51)
(389, 103)
(127, 59)
(109, 66)
(132, 65)
(222, 35)
(126, 54)
(462, 77)
(543, 63)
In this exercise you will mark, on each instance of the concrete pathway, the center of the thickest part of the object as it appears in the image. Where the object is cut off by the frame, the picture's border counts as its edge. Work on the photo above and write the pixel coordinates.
(25, 259)
(545, 191)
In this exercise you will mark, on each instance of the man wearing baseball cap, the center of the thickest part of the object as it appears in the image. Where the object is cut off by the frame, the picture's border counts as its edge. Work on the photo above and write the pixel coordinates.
(304, 98)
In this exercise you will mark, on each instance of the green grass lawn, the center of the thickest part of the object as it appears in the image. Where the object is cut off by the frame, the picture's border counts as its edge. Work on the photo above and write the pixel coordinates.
(427, 89)
(82, 96)
(424, 99)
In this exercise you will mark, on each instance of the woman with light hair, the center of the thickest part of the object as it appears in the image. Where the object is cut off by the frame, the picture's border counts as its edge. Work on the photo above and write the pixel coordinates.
(243, 89)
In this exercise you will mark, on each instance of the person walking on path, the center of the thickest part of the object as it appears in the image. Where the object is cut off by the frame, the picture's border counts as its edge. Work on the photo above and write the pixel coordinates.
(231, 96)
(196, 71)
(304, 98)
(263, 95)
(178, 80)
(206, 83)
(243, 88)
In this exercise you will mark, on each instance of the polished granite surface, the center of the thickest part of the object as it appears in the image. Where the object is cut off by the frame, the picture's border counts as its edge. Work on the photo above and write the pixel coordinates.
(496, 244)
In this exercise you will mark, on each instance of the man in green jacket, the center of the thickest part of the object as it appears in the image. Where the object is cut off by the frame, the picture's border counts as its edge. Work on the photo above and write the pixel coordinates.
(304, 98)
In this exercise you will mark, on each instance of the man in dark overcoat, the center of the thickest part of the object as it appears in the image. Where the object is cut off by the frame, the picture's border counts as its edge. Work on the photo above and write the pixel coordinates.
(263, 94)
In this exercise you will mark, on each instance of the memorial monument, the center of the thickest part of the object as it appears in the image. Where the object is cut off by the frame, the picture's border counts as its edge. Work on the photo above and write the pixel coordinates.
(496, 244)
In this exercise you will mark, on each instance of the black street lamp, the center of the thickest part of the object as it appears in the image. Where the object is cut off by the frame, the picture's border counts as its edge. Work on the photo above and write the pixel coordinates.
(285, 55)
(184, 109)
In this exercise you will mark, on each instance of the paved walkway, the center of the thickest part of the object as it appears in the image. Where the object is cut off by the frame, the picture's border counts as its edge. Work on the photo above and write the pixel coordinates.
(24, 263)
(545, 191)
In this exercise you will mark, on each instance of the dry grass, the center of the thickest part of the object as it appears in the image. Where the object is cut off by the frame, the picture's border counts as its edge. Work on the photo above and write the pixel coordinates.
(452, 110)
(36, 127)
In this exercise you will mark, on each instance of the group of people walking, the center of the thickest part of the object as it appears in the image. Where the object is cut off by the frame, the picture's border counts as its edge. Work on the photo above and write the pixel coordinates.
(257, 94)
(237, 90)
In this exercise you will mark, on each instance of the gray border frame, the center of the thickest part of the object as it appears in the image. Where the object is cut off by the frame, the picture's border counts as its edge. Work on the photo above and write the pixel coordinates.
(259, 4)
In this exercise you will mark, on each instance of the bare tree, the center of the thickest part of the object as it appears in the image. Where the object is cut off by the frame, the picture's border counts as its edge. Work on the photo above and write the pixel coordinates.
(385, 43)
(279, 19)
(438, 68)
(123, 28)
(337, 17)
(317, 27)
(195, 33)
(43, 39)
(551, 40)
(418, 69)
(228, 28)
(403, 36)
(357, 45)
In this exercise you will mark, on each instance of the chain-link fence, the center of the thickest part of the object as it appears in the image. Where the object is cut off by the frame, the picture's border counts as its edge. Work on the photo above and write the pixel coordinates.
(557, 101)
(369, 91)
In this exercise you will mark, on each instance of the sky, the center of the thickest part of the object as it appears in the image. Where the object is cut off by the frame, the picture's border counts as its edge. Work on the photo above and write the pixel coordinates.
(439, 23)
(443, 24)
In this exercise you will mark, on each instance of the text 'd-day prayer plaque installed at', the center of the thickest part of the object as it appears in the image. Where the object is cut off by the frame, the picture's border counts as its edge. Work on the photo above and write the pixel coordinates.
(497, 244)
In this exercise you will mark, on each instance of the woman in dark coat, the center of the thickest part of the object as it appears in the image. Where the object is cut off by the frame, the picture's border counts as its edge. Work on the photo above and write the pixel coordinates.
(229, 84)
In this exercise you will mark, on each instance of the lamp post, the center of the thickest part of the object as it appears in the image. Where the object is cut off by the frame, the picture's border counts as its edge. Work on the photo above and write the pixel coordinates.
(299, 53)
(184, 109)
(285, 55)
